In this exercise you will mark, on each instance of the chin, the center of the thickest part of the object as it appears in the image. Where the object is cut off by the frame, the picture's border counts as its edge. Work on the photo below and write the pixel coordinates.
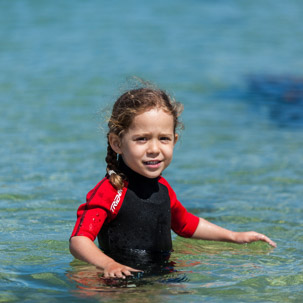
(153, 175)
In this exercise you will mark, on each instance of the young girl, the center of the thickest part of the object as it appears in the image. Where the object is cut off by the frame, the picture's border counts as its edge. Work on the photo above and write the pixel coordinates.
(133, 209)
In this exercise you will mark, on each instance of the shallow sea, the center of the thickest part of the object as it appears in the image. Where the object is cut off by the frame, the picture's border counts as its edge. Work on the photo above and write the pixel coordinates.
(236, 66)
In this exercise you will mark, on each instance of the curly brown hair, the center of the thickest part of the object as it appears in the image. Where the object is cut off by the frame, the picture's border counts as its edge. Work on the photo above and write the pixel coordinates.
(127, 106)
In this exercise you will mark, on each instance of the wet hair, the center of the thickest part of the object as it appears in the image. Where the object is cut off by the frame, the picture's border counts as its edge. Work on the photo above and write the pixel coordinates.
(126, 108)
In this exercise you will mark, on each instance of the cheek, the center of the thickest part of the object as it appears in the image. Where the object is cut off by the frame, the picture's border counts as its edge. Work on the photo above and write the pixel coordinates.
(169, 149)
(132, 150)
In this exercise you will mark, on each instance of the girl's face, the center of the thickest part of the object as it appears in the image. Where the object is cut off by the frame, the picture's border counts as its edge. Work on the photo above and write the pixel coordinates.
(147, 146)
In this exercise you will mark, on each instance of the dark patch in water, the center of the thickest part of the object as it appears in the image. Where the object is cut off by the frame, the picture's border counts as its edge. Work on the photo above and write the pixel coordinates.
(282, 94)
(284, 89)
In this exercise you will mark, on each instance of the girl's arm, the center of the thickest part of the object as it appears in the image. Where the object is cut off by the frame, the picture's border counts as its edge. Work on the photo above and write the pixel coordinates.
(209, 231)
(85, 250)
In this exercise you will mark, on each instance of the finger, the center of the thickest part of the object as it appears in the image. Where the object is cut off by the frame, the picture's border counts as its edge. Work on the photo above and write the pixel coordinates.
(126, 272)
(134, 270)
(271, 243)
(112, 275)
(106, 275)
(129, 270)
(119, 275)
(267, 240)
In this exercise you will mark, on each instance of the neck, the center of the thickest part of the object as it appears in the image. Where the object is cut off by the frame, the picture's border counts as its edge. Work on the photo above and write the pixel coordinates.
(143, 186)
(131, 174)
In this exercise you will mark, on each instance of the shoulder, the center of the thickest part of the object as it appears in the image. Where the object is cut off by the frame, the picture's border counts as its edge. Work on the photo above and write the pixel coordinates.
(103, 188)
(106, 196)
(164, 182)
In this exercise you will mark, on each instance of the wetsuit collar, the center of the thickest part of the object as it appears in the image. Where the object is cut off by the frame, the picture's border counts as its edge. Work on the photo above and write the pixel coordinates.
(132, 176)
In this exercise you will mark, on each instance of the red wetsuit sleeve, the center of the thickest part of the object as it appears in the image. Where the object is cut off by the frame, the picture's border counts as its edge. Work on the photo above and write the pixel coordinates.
(102, 203)
(183, 222)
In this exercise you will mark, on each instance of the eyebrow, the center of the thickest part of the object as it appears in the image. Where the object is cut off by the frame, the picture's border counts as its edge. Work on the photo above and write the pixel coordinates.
(167, 135)
(148, 134)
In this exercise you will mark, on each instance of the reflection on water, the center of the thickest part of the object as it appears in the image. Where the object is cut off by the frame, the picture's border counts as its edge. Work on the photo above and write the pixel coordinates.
(90, 282)
(194, 264)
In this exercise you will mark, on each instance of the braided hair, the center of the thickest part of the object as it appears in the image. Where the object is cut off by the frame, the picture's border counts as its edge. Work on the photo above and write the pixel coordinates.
(127, 106)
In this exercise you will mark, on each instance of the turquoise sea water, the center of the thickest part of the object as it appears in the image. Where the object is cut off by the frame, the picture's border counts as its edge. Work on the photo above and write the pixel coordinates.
(238, 163)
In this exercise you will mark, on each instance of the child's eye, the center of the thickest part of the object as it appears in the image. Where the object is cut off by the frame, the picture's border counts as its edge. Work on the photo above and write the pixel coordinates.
(141, 139)
(165, 139)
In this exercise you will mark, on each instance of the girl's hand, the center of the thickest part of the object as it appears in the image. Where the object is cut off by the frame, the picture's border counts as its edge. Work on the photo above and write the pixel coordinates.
(86, 250)
(252, 236)
(117, 270)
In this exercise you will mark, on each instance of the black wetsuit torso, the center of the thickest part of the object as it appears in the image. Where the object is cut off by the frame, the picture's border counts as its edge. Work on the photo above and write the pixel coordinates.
(134, 224)
(143, 224)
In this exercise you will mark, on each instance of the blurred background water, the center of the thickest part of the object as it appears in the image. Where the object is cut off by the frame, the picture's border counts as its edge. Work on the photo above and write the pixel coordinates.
(237, 67)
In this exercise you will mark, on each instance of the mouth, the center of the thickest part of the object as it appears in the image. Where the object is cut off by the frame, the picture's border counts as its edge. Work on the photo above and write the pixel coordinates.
(152, 163)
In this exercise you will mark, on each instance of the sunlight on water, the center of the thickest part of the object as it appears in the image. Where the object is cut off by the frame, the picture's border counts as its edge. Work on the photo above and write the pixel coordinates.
(236, 67)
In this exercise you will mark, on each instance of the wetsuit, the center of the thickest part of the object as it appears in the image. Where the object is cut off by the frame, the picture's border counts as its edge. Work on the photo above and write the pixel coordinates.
(137, 219)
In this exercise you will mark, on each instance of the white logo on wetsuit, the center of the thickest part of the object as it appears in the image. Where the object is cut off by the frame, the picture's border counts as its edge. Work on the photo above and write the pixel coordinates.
(116, 201)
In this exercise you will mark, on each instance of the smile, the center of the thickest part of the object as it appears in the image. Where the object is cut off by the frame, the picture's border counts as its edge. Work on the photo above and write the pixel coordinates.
(152, 162)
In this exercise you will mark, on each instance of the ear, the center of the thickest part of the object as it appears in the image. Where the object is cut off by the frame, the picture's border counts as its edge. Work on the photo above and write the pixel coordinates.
(176, 138)
(115, 143)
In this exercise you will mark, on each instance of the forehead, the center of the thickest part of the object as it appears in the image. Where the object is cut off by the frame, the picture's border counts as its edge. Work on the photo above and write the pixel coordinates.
(155, 118)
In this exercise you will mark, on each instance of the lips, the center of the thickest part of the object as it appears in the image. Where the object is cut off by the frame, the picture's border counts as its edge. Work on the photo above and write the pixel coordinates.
(154, 162)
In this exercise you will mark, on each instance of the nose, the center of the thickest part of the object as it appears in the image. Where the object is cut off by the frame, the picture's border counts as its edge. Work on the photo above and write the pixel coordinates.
(153, 147)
